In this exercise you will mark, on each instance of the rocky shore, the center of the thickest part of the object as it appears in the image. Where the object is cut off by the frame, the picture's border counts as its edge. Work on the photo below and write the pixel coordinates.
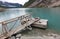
(40, 34)
(2, 9)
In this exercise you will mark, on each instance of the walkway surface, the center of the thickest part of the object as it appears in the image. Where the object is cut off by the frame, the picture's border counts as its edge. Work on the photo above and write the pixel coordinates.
(21, 27)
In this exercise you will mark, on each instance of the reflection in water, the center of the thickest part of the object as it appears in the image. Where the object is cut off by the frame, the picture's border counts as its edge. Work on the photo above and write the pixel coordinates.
(52, 14)
(9, 14)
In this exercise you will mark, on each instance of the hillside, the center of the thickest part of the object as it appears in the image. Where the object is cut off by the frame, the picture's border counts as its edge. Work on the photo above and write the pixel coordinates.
(28, 3)
(10, 5)
(42, 3)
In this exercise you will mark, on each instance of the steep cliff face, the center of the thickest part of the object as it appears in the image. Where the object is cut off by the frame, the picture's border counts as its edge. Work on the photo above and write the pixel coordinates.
(43, 3)
(28, 3)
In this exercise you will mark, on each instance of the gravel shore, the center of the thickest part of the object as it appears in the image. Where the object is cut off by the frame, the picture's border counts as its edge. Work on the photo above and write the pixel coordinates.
(37, 33)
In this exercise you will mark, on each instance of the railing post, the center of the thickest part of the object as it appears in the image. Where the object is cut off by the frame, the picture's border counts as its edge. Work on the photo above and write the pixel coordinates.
(4, 28)
(19, 18)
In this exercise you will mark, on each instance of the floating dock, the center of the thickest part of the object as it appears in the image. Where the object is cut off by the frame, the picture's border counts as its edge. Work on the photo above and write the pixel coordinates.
(41, 23)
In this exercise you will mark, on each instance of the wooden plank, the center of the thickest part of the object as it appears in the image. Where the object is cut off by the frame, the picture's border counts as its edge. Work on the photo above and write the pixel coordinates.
(18, 29)
(42, 23)
(21, 27)
(14, 19)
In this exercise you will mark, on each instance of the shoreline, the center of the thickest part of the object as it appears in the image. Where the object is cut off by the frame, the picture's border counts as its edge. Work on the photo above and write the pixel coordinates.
(36, 32)
(2, 9)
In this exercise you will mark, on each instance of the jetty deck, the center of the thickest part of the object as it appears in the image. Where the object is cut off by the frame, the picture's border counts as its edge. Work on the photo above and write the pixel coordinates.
(18, 29)
(7, 33)
(25, 22)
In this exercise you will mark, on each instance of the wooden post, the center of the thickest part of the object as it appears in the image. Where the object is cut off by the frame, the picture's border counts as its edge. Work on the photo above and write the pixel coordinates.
(4, 28)
(19, 18)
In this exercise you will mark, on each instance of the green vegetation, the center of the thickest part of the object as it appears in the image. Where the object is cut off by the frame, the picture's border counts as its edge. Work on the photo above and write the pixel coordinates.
(28, 3)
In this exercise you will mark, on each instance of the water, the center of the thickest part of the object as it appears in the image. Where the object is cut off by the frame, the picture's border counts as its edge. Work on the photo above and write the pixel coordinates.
(9, 14)
(52, 14)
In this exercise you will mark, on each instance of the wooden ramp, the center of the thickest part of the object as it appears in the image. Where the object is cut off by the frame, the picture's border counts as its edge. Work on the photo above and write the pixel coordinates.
(21, 27)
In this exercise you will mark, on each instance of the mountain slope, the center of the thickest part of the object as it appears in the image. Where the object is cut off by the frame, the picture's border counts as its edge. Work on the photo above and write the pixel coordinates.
(43, 3)
(10, 5)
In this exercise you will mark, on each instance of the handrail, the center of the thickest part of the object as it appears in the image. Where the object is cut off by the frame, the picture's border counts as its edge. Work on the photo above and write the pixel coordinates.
(14, 19)
(4, 23)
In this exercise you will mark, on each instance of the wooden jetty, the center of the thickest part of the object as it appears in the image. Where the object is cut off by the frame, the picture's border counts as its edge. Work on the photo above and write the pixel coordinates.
(21, 27)
(25, 21)
(6, 33)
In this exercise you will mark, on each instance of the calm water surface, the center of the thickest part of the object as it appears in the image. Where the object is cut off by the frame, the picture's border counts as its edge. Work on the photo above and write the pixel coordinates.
(52, 14)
